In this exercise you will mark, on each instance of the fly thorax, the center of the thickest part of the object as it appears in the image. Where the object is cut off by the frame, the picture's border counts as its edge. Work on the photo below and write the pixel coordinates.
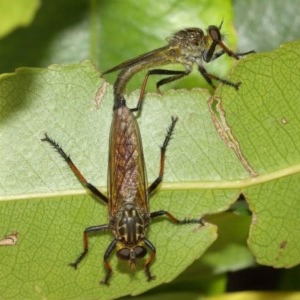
(131, 225)
(130, 230)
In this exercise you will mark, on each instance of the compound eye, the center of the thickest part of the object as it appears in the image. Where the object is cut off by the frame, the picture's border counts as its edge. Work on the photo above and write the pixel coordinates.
(214, 33)
(129, 254)
(140, 251)
(124, 253)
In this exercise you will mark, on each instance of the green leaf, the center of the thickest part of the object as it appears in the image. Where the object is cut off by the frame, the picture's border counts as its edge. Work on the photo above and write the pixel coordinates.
(204, 178)
(58, 34)
(264, 118)
(16, 13)
(43, 201)
(230, 252)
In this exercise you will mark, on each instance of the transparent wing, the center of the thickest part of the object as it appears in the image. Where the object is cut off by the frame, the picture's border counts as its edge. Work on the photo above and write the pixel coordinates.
(154, 57)
(126, 172)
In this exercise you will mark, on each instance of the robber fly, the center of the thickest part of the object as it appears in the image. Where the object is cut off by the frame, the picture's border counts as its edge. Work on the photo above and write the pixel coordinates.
(186, 47)
(128, 194)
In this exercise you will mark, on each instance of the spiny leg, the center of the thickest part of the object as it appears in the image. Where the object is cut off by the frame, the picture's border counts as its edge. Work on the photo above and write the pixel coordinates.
(96, 228)
(108, 268)
(160, 213)
(149, 260)
(175, 75)
(158, 180)
(75, 170)
(163, 149)
(209, 77)
(93, 189)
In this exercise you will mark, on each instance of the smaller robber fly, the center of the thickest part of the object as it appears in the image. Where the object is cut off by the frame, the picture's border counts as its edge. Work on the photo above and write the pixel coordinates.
(128, 194)
(186, 47)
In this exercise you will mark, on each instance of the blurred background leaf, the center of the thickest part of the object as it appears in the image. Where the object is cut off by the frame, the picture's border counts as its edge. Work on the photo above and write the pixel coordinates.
(16, 14)
(265, 24)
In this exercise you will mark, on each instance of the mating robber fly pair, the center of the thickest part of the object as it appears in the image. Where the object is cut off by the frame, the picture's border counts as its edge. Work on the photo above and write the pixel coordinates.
(128, 193)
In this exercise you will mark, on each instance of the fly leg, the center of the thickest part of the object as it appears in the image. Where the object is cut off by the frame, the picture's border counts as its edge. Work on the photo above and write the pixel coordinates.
(108, 252)
(97, 193)
(149, 260)
(174, 75)
(210, 77)
(158, 180)
(160, 213)
(163, 149)
(75, 170)
(96, 228)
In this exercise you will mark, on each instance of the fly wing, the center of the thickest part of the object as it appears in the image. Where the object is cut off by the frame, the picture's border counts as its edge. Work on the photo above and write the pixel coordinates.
(154, 56)
(126, 171)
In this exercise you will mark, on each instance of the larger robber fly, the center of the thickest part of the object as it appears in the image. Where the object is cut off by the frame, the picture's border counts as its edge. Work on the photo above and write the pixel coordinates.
(128, 194)
(187, 47)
